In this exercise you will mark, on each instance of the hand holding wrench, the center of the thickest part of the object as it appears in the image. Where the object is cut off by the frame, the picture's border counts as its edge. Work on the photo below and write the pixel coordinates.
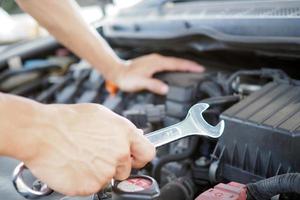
(193, 124)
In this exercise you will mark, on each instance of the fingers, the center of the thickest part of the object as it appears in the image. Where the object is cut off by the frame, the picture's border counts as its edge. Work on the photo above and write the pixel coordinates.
(154, 85)
(124, 168)
(143, 151)
(140, 153)
(175, 64)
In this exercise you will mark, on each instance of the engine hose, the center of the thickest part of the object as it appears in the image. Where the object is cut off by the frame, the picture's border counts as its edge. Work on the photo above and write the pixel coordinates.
(223, 100)
(210, 88)
(180, 189)
(266, 189)
(173, 158)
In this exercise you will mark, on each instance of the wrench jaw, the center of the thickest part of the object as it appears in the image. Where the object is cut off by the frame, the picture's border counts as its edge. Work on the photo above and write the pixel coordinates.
(204, 128)
(220, 126)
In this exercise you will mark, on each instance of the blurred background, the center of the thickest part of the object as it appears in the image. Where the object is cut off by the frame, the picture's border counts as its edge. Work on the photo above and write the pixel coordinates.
(16, 25)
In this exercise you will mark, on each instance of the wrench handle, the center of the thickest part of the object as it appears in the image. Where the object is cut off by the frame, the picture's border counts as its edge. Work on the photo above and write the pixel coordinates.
(164, 136)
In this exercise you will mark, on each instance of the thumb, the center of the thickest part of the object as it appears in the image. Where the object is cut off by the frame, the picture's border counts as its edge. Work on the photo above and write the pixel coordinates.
(142, 150)
(155, 85)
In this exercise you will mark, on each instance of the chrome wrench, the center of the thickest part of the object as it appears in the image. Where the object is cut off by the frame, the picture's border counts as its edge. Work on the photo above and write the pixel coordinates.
(193, 124)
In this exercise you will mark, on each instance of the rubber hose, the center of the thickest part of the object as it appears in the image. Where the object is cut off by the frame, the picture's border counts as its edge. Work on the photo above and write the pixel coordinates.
(223, 100)
(210, 88)
(172, 158)
(266, 189)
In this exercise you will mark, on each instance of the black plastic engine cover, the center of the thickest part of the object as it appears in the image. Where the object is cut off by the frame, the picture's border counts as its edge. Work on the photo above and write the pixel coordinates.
(262, 135)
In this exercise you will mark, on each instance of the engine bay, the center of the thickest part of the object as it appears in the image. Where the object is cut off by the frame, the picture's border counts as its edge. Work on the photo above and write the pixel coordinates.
(253, 87)
(260, 108)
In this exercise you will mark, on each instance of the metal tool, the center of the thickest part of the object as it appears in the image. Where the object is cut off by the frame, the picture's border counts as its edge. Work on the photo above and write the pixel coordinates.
(193, 124)
(23, 189)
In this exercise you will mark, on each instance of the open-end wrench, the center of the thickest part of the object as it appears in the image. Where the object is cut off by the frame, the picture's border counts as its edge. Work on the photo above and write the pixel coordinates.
(193, 124)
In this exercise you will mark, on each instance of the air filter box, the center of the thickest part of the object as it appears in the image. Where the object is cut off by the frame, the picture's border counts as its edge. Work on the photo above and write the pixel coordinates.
(262, 135)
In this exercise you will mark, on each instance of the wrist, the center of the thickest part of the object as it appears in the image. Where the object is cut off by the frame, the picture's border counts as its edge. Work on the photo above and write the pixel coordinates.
(114, 69)
(115, 74)
(18, 126)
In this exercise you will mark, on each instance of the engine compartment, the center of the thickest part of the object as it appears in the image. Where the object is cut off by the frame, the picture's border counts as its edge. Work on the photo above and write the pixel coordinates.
(251, 82)
(260, 108)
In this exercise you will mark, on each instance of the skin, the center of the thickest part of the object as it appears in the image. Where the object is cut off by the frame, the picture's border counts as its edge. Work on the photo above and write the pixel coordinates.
(77, 149)
(73, 148)
(63, 20)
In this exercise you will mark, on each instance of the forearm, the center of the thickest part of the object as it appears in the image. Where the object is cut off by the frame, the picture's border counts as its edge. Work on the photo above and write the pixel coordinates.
(17, 120)
(63, 20)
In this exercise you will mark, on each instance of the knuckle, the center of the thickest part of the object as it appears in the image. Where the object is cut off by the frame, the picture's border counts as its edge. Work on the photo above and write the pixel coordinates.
(124, 175)
(154, 86)
(125, 125)
(124, 156)
(95, 187)
(140, 132)
(110, 173)
(141, 165)
(138, 165)
(88, 107)
(96, 107)
(152, 152)
(123, 172)
(149, 153)
(184, 63)
(130, 129)
(127, 173)
(155, 55)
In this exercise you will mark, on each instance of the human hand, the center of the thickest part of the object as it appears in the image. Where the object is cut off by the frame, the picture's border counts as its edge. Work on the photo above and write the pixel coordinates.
(78, 149)
(137, 73)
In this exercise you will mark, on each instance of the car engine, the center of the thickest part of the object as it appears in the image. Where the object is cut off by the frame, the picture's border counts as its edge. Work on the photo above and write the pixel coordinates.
(255, 90)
